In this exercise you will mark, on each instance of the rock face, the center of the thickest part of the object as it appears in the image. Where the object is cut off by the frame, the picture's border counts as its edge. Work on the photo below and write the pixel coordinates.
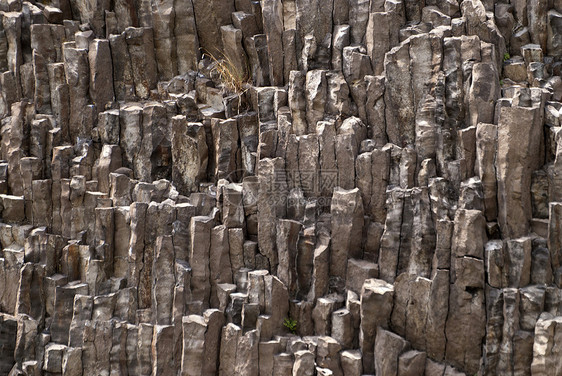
(280, 187)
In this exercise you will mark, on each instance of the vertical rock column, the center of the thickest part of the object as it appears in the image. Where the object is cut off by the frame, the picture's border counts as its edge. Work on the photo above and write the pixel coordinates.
(226, 149)
(42, 96)
(234, 52)
(59, 98)
(518, 155)
(64, 302)
(555, 240)
(165, 48)
(377, 297)
(347, 228)
(272, 13)
(189, 154)
(199, 257)
(466, 299)
(210, 16)
(101, 77)
(286, 241)
(272, 198)
(136, 243)
(187, 42)
(219, 261)
(12, 22)
(390, 239)
(130, 120)
(545, 349)
(486, 146)
(77, 71)
(8, 328)
(483, 93)
(163, 280)
(122, 70)
(140, 47)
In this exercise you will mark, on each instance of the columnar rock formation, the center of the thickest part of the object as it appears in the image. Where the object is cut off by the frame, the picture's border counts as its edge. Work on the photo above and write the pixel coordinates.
(184, 181)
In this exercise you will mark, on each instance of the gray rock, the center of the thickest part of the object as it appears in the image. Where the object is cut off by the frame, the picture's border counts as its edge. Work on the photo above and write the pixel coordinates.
(388, 348)
(273, 28)
(64, 301)
(267, 350)
(163, 285)
(194, 328)
(327, 354)
(376, 306)
(140, 42)
(514, 219)
(247, 354)
(486, 146)
(200, 229)
(411, 362)
(347, 227)
(282, 364)
(304, 363)
(101, 78)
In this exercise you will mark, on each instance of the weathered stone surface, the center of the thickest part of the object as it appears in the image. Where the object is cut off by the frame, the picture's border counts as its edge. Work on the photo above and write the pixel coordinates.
(316, 95)
(517, 262)
(483, 93)
(304, 363)
(327, 354)
(347, 227)
(544, 351)
(514, 219)
(140, 42)
(220, 268)
(357, 272)
(376, 296)
(321, 315)
(247, 354)
(101, 78)
(189, 154)
(273, 28)
(486, 146)
(287, 239)
(64, 300)
(411, 363)
(388, 348)
(194, 328)
(200, 230)
(164, 281)
(471, 320)
(267, 350)
(271, 205)
(181, 179)
(312, 22)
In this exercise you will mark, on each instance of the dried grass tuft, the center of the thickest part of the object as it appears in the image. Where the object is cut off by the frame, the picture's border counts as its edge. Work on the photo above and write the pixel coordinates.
(234, 80)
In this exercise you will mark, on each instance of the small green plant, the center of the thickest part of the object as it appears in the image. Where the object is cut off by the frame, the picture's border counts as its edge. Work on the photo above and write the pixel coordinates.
(506, 56)
(501, 82)
(290, 324)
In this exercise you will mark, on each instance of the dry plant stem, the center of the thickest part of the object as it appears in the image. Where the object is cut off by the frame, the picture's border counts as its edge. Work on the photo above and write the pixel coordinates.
(233, 79)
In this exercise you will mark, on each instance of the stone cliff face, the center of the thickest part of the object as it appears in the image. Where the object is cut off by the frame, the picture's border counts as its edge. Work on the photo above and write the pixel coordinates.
(183, 181)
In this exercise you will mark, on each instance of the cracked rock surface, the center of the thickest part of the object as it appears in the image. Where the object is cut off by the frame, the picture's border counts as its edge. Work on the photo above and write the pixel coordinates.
(280, 187)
